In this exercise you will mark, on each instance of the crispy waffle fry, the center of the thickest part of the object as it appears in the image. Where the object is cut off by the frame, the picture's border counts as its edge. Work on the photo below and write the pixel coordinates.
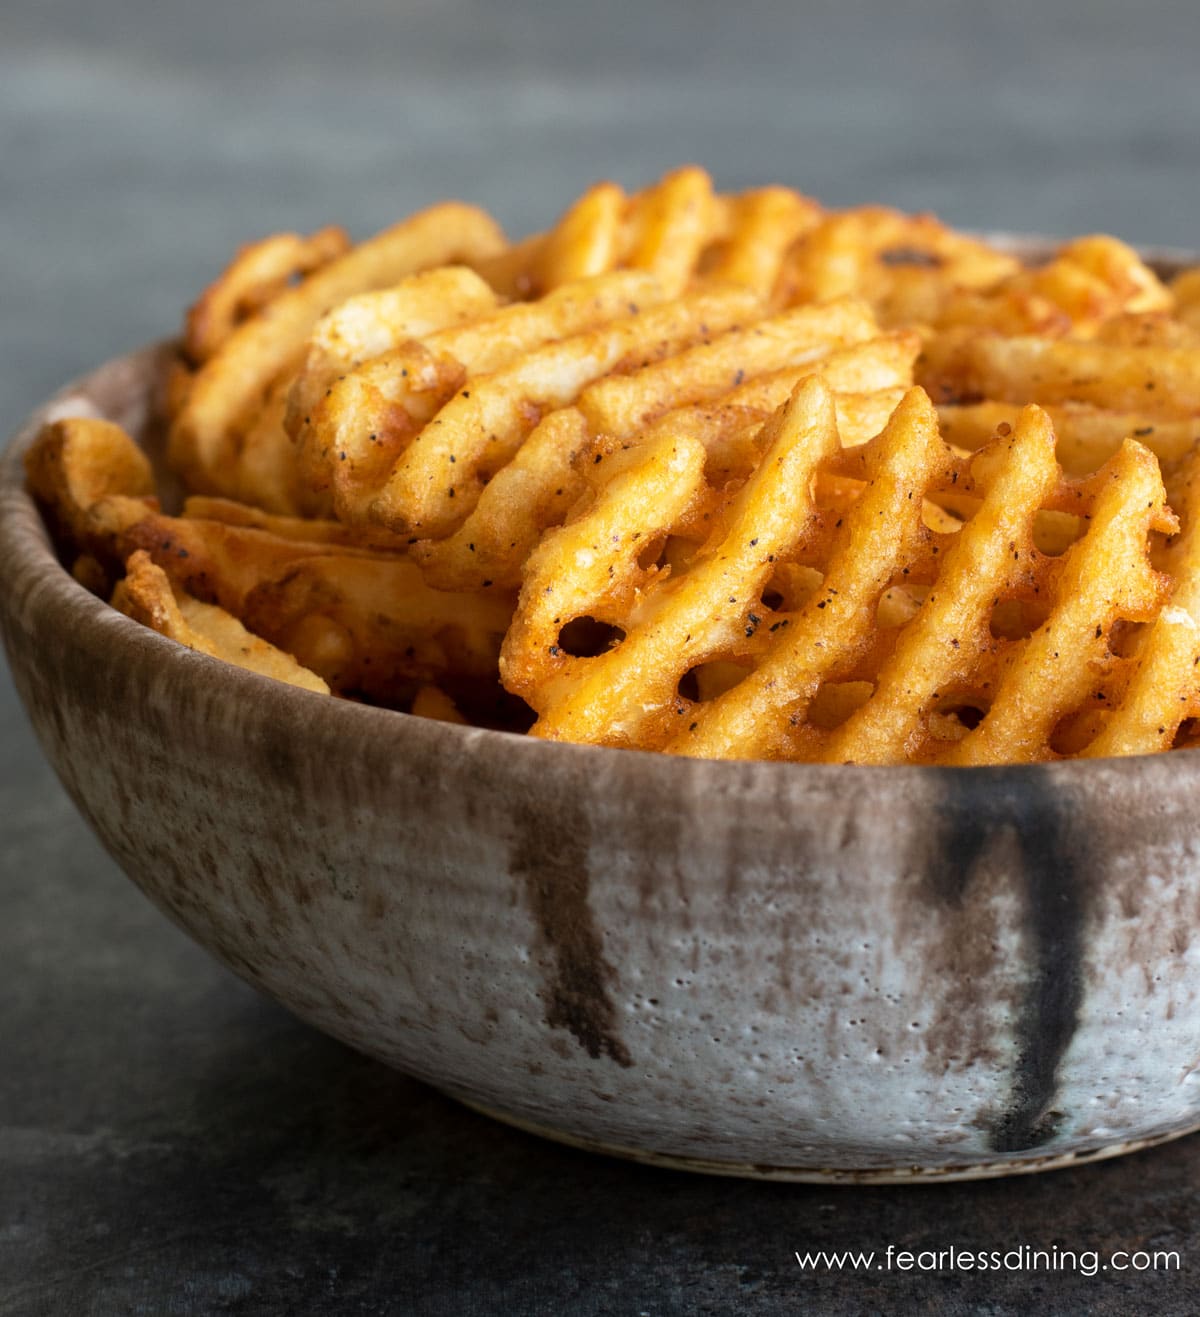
(363, 619)
(92, 481)
(1163, 691)
(77, 463)
(350, 440)
(825, 641)
(436, 474)
(676, 230)
(1087, 436)
(905, 266)
(943, 654)
(146, 595)
(690, 391)
(1104, 578)
(258, 274)
(1088, 284)
(1161, 383)
(365, 327)
(629, 695)
(369, 627)
(204, 435)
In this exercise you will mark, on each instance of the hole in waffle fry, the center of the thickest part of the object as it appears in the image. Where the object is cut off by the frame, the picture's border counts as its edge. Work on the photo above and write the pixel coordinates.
(708, 680)
(585, 637)
(968, 715)
(1015, 619)
(719, 475)
(835, 701)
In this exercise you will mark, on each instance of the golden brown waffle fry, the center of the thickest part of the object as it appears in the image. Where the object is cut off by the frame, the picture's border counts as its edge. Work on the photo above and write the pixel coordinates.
(259, 272)
(92, 481)
(1087, 436)
(1090, 283)
(372, 626)
(690, 391)
(467, 426)
(905, 266)
(677, 229)
(1104, 578)
(1159, 383)
(629, 695)
(1164, 689)
(349, 441)
(825, 640)
(204, 434)
(146, 595)
(365, 327)
(365, 620)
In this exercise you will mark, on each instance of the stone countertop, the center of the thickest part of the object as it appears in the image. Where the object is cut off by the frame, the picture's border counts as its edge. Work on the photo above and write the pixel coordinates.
(169, 1141)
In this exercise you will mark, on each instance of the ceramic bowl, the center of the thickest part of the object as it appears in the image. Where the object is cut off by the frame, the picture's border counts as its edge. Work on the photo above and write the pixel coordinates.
(781, 970)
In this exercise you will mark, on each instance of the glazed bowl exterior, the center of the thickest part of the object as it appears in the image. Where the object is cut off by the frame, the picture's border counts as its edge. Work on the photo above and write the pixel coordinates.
(816, 972)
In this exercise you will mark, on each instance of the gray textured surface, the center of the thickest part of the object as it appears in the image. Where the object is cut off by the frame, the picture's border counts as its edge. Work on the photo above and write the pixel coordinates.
(168, 1141)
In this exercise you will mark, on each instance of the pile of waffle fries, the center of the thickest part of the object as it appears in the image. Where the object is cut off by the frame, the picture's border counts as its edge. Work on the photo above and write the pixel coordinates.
(726, 476)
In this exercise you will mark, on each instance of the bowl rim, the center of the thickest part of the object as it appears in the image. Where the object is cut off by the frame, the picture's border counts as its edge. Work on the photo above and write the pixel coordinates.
(38, 595)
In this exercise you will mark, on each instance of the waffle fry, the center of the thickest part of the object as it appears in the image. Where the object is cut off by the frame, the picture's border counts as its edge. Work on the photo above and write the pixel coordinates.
(675, 230)
(904, 266)
(256, 276)
(1158, 383)
(720, 475)
(345, 603)
(942, 656)
(204, 439)
(435, 480)
(629, 695)
(146, 595)
(1087, 436)
(545, 479)
(361, 618)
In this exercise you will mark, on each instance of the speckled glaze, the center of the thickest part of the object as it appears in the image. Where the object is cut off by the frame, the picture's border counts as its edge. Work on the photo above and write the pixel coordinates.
(784, 970)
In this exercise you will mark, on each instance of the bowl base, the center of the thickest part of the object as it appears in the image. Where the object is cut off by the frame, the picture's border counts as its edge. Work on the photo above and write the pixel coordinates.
(828, 1174)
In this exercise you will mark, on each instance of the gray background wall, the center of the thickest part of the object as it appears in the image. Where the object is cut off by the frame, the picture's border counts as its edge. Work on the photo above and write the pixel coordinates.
(169, 1142)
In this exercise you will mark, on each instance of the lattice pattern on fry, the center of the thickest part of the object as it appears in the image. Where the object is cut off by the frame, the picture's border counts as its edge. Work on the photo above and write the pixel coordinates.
(939, 651)
(1163, 690)
(692, 392)
(353, 439)
(629, 695)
